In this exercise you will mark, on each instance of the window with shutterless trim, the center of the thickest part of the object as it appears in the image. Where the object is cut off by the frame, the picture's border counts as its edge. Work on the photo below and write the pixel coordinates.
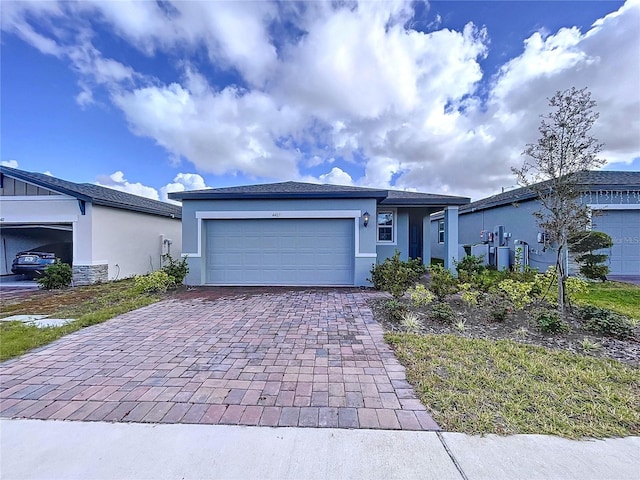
(385, 225)
(441, 231)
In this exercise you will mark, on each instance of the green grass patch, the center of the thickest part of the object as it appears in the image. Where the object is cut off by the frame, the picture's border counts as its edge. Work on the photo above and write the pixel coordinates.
(87, 305)
(623, 298)
(480, 386)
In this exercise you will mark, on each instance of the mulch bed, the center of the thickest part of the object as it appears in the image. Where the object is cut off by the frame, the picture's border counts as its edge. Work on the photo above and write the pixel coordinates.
(518, 326)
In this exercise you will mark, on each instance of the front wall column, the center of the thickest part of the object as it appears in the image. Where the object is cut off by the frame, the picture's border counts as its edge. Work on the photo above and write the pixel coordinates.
(426, 240)
(450, 238)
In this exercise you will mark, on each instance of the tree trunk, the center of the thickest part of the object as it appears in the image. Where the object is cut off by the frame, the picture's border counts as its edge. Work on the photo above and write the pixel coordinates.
(561, 278)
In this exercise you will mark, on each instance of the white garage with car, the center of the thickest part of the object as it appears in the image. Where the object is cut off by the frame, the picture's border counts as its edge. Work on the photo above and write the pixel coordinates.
(103, 233)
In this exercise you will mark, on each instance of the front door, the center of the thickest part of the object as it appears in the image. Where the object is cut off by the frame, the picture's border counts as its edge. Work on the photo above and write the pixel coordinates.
(415, 239)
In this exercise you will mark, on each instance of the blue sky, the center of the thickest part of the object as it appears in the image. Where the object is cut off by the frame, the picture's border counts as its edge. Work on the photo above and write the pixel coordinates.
(153, 97)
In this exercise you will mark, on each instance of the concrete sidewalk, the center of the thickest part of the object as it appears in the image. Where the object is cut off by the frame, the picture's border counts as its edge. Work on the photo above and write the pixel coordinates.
(96, 450)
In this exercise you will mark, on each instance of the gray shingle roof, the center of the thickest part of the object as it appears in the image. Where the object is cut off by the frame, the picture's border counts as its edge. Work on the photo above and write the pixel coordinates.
(280, 190)
(96, 194)
(311, 190)
(402, 197)
(590, 180)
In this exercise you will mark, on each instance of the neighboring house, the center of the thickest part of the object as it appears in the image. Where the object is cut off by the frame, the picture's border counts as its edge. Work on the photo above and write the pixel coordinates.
(113, 234)
(614, 200)
(304, 234)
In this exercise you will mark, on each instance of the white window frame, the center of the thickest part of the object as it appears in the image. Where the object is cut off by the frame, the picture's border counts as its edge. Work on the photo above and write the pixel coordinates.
(394, 221)
(441, 231)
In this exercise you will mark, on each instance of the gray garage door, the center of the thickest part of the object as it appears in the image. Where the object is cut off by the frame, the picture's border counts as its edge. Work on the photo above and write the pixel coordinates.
(624, 228)
(280, 252)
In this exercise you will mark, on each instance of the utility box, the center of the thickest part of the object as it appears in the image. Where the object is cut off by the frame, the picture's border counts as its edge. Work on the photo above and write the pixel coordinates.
(481, 250)
(503, 261)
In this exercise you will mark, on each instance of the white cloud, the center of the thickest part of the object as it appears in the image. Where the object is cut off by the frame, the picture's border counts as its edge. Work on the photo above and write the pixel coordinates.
(117, 181)
(336, 176)
(182, 182)
(219, 132)
(488, 139)
(9, 163)
(14, 19)
(351, 81)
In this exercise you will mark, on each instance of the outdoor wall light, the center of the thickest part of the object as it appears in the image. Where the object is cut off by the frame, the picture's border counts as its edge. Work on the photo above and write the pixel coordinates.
(365, 219)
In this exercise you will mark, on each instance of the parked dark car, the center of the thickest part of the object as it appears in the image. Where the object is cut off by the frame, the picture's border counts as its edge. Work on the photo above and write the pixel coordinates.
(32, 262)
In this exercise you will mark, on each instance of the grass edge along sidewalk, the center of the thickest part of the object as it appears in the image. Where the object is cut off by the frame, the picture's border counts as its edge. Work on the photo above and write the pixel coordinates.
(479, 386)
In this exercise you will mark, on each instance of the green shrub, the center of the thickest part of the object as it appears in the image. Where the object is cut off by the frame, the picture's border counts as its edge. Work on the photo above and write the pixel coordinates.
(606, 322)
(498, 306)
(420, 296)
(469, 295)
(443, 312)
(56, 275)
(395, 309)
(585, 244)
(545, 287)
(443, 282)
(158, 281)
(396, 276)
(575, 286)
(549, 321)
(483, 280)
(469, 266)
(593, 271)
(527, 274)
(177, 269)
(519, 293)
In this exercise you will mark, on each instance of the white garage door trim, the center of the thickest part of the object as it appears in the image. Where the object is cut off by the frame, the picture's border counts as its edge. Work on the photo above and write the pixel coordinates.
(239, 215)
(249, 214)
(279, 251)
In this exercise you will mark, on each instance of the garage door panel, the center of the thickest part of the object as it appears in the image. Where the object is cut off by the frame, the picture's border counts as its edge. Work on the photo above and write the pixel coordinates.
(280, 252)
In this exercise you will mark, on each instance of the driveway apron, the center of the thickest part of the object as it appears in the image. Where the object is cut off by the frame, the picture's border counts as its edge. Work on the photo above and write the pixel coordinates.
(307, 358)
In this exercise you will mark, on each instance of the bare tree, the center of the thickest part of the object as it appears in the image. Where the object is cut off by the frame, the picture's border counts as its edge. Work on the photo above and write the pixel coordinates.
(553, 169)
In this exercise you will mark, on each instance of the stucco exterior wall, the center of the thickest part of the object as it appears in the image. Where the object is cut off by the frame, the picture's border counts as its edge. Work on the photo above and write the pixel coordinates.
(130, 243)
(193, 234)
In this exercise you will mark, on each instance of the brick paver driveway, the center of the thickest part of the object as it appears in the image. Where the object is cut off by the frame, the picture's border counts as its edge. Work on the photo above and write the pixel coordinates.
(312, 358)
